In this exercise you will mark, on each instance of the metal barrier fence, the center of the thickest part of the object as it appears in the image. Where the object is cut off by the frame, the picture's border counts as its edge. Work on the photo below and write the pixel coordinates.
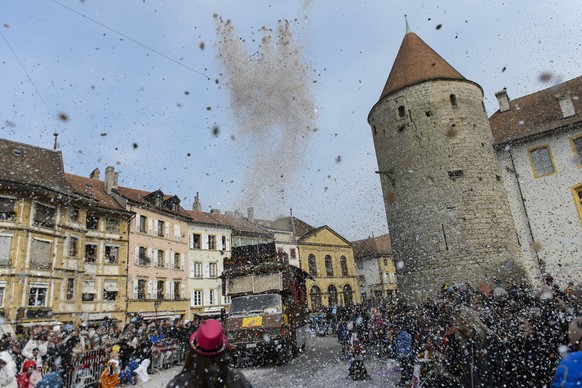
(87, 367)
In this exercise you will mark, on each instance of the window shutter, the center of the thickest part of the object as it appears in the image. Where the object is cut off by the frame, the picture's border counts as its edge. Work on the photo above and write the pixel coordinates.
(181, 262)
(192, 304)
(150, 224)
(191, 238)
(135, 283)
(182, 290)
(151, 255)
(136, 255)
(191, 270)
(137, 222)
(206, 270)
(167, 230)
(206, 297)
(203, 241)
(150, 289)
(171, 284)
(168, 292)
(167, 259)
(155, 227)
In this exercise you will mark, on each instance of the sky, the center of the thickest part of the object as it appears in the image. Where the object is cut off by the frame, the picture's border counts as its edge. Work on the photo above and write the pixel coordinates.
(253, 103)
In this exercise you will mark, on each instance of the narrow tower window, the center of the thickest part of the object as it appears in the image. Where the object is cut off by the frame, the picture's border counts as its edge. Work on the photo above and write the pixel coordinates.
(401, 111)
(453, 100)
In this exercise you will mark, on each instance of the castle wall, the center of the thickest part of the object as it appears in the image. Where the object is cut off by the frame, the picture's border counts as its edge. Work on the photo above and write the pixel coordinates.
(446, 205)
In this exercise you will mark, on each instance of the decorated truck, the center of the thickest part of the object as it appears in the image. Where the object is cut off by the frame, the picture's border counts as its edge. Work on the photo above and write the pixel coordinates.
(268, 317)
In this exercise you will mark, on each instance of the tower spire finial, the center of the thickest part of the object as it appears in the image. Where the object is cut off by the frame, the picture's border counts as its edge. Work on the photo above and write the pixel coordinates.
(407, 26)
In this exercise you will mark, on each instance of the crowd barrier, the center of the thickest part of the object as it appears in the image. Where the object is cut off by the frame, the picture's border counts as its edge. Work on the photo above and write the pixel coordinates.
(87, 367)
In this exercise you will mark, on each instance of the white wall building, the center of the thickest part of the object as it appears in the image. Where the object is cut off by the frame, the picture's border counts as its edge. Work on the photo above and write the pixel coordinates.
(209, 243)
(538, 140)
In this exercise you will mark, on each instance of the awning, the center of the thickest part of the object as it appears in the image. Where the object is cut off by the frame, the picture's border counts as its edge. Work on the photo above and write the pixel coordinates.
(89, 287)
(111, 286)
(160, 316)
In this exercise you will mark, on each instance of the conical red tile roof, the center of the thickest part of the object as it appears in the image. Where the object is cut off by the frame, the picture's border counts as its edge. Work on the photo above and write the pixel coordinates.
(417, 62)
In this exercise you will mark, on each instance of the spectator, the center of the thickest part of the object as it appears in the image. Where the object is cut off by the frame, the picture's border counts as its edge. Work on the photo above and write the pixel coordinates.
(7, 371)
(569, 371)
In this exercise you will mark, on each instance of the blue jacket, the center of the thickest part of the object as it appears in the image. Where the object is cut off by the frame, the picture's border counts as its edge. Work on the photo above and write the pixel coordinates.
(569, 371)
(403, 344)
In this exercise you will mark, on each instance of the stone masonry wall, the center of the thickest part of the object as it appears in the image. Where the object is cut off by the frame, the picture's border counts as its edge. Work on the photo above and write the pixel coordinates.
(446, 205)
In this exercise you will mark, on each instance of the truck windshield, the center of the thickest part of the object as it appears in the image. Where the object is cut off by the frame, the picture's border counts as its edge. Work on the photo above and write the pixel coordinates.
(268, 304)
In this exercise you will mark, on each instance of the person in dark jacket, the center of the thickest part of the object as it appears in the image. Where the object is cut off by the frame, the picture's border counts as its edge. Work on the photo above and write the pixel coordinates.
(207, 363)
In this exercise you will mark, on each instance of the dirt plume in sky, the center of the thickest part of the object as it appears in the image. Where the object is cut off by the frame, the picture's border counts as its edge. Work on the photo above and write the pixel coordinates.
(273, 105)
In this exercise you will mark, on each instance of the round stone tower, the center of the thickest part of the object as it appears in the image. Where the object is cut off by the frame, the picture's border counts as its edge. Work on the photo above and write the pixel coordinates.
(446, 206)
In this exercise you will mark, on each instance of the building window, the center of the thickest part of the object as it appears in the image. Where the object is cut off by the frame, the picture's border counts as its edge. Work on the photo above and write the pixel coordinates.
(37, 295)
(196, 239)
(312, 265)
(2, 292)
(576, 147)
(541, 160)
(110, 291)
(177, 261)
(328, 266)
(211, 298)
(315, 296)
(177, 232)
(160, 290)
(212, 270)
(111, 253)
(401, 111)
(141, 289)
(89, 291)
(142, 257)
(332, 295)
(160, 259)
(177, 286)
(90, 253)
(344, 265)
(74, 213)
(7, 212)
(44, 215)
(73, 246)
(385, 261)
(453, 99)
(196, 269)
(578, 198)
(5, 242)
(211, 241)
(70, 288)
(293, 253)
(112, 226)
(41, 255)
(92, 221)
(223, 241)
(348, 295)
(143, 224)
(196, 298)
(161, 228)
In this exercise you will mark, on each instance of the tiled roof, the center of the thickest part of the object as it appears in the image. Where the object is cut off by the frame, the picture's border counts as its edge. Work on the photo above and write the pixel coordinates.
(286, 224)
(203, 218)
(94, 189)
(138, 196)
(239, 224)
(417, 62)
(373, 246)
(35, 166)
(536, 113)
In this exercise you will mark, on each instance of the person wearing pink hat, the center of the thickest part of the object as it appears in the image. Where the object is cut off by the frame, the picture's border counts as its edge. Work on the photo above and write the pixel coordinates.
(206, 364)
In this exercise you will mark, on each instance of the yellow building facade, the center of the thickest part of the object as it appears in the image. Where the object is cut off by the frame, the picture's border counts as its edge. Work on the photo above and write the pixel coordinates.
(329, 259)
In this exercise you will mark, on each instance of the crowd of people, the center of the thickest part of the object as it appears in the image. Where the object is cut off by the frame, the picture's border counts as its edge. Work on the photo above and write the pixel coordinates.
(47, 356)
(473, 337)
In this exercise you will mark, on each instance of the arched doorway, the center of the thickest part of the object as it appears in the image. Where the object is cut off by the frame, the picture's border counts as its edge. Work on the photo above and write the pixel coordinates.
(315, 295)
(332, 295)
(348, 295)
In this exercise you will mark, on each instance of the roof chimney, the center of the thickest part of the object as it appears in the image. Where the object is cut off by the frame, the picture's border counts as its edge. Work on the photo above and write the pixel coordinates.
(503, 100)
(565, 101)
(110, 179)
(214, 211)
(197, 206)
(95, 174)
(251, 214)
